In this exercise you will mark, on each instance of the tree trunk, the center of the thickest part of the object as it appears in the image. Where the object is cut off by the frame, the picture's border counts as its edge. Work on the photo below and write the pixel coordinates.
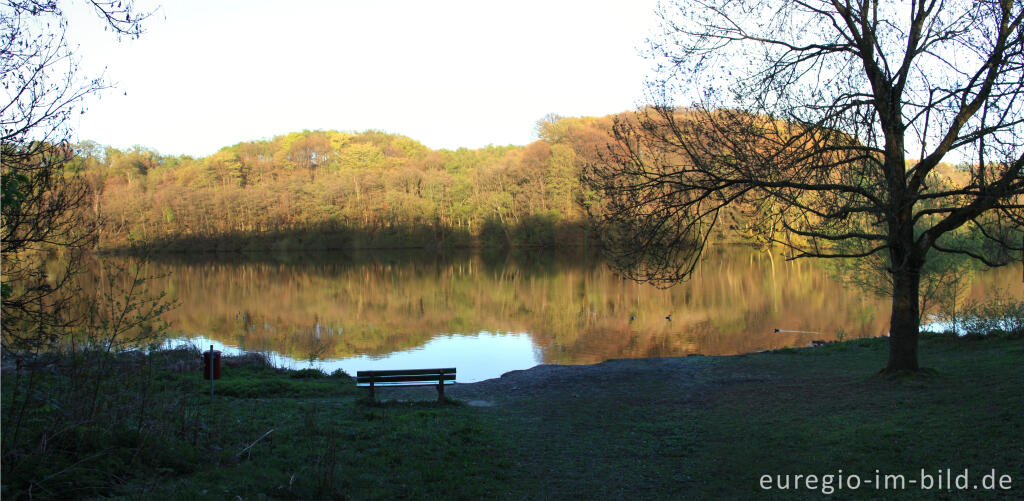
(905, 321)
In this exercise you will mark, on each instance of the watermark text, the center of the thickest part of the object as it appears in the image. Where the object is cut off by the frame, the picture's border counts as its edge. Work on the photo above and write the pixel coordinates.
(943, 479)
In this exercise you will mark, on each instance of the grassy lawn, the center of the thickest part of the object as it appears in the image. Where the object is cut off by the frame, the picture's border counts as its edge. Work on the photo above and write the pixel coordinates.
(327, 442)
(267, 434)
(709, 430)
(821, 411)
(713, 433)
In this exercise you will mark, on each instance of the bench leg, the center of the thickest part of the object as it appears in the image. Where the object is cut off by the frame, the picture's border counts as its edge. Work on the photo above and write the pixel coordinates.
(440, 392)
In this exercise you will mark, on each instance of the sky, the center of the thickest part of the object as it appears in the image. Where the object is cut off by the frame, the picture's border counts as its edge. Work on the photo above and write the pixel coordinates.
(449, 74)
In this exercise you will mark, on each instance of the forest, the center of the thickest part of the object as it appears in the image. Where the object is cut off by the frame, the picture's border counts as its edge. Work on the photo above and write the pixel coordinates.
(320, 190)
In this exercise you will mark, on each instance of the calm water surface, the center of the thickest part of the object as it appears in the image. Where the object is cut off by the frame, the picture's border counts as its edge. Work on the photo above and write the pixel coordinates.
(487, 315)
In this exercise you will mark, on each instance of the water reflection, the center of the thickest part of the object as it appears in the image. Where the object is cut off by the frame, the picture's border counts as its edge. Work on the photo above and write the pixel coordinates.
(490, 314)
(477, 357)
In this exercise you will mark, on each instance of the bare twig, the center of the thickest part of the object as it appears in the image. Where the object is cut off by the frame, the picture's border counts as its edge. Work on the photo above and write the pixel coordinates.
(254, 443)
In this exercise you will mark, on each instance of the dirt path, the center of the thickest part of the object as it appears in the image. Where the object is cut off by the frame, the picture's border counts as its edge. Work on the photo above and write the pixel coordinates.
(614, 379)
(659, 380)
(621, 429)
(588, 431)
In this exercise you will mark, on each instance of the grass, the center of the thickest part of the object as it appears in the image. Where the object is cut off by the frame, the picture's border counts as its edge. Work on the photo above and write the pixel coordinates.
(822, 412)
(710, 431)
(267, 434)
(326, 448)
(807, 411)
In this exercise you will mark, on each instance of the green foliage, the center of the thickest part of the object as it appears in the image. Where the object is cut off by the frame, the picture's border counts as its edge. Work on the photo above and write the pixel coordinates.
(379, 189)
(537, 230)
(494, 234)
(266, 434)
(999, 314)
(265, 382)
(308, 373)
(841, 335)
(11, 189)
(343, 190)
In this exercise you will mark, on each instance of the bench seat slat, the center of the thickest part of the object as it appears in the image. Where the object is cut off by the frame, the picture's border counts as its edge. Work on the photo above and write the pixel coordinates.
(404, 379)
(378, 384)
(406, 372)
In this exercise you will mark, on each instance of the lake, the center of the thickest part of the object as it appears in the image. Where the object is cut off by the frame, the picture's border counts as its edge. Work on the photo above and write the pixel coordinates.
(487, 314)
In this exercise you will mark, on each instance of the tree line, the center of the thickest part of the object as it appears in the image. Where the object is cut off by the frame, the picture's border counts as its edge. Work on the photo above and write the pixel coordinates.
(330, 189)
(319, 190)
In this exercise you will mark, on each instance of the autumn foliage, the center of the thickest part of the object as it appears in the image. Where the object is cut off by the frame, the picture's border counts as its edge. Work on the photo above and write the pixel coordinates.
(330, 190)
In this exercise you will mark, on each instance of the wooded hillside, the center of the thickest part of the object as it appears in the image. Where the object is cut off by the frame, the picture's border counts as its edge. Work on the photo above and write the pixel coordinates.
(319, 190)
(330, 189)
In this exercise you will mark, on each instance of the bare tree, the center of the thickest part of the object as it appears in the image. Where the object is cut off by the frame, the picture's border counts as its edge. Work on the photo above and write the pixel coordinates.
(821, 125)
(42, 204)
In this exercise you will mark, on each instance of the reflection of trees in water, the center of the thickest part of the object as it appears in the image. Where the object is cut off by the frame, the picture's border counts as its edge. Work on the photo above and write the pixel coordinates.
(575, 309)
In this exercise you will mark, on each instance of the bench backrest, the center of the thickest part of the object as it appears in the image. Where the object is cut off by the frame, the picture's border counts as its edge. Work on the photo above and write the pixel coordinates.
(406, 376)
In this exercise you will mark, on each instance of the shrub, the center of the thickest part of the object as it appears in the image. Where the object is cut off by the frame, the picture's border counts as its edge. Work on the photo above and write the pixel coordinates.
(309, 373)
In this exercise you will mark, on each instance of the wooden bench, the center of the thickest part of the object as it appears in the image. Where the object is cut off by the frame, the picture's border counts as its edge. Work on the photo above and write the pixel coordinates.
(409, 377)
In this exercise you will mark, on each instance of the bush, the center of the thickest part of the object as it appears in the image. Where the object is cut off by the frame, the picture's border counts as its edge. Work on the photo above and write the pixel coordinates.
(997, 316)
(247, 359)
(310, 373)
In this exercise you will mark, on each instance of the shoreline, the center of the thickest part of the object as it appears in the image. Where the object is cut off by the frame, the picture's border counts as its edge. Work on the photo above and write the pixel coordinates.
(705, 427)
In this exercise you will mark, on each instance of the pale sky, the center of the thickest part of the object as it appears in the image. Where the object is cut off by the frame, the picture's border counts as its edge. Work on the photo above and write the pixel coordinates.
(208, 74)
